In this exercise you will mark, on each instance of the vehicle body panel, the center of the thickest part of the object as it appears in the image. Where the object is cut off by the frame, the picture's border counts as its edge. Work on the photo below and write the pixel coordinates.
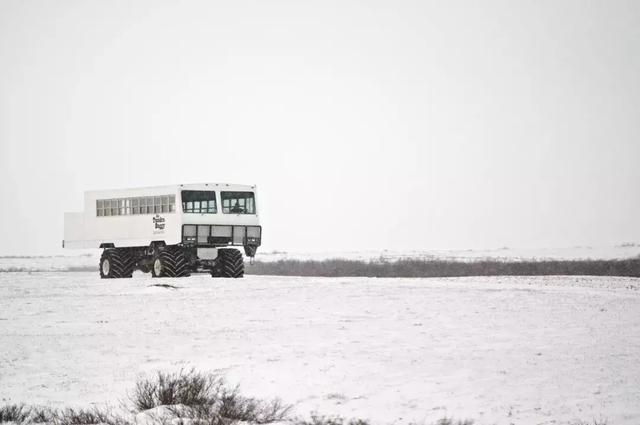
(88, 230)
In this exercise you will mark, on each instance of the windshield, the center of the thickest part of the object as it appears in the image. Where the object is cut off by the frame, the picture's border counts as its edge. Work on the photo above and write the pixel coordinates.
(238, 203)
(199, 201)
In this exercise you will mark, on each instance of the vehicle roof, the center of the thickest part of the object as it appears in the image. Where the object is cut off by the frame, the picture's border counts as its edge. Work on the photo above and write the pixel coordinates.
(175, 188)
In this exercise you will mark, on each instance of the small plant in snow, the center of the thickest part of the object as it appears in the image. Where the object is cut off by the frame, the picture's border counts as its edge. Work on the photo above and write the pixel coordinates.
(238, 408)
(450, 421)
(330, 420)
(204, 398)
(14, 413)
(188, 388)
(595, 422)
(41, 415)
(93, 416)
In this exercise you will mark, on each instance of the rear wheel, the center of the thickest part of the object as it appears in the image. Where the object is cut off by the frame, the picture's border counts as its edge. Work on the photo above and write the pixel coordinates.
(170, 262)
(116, 263)
(229, 264)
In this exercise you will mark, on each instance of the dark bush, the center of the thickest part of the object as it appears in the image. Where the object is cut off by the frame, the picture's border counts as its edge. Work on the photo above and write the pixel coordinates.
(14, 413)
(239, 408)
(84, 417)
(317, 419)
(189, 388)
(450, 421)
(210, 400)
(35, 414)
(40, 415)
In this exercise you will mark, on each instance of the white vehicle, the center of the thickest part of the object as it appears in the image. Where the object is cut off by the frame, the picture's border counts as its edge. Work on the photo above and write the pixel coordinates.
(168, 230)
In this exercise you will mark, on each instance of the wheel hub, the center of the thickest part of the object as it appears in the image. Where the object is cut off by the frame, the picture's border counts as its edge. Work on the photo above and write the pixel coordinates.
(157, 267)
(106, 267)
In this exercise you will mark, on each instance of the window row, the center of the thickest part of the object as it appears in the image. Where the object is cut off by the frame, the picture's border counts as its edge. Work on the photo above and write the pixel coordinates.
(193, 201)
(136, 206)
(204, 202)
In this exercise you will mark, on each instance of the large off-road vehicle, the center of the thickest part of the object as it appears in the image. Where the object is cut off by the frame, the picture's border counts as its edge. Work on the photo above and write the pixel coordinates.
(170, 231)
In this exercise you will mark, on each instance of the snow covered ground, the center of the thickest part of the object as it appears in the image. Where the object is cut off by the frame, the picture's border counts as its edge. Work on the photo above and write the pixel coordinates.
(72, 261)
(502, 350)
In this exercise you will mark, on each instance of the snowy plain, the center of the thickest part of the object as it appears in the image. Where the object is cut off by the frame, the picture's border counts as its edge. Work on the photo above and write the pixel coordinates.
(526, 350)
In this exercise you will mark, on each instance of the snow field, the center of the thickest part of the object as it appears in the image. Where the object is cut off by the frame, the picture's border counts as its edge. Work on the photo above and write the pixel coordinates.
(499, 350)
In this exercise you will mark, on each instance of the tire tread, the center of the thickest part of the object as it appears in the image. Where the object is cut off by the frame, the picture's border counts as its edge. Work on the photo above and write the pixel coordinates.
(230, 264)
(121, 264)
(174, 263)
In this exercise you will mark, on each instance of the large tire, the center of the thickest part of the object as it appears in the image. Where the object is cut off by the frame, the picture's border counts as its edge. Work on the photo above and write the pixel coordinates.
(116, 263)
(229, 264)
(170, 262)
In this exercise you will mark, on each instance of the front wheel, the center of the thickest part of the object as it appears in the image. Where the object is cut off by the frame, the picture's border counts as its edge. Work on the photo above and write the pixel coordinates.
(229, 264)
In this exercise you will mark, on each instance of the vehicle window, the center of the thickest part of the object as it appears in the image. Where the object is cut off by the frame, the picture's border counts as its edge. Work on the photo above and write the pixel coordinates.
(199, 201)
(99, 208)
(238, 203)
(135, 206)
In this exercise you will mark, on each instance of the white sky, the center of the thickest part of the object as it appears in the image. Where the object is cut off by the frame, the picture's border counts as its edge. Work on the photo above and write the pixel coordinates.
(370, 124)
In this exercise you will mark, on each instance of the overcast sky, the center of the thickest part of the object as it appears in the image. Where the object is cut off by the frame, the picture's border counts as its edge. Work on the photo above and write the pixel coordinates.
(365, 124)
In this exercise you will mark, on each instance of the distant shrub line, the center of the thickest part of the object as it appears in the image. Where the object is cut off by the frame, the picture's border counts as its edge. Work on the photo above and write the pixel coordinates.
(445, 268)
(417, 268)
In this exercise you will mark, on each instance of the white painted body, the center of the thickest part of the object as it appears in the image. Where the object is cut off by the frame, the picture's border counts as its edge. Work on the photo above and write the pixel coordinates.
(87, 230)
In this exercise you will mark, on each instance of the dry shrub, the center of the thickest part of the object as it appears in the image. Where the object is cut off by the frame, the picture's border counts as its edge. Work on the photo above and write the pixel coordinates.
(93, 416)
(185, 387)
(14, 413)
(445, 268)
(208, 398)
(238, 408)
(317, 419)
(451, 421)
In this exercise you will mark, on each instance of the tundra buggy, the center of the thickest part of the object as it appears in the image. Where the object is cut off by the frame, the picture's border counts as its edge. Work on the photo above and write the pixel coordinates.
(169, 231)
